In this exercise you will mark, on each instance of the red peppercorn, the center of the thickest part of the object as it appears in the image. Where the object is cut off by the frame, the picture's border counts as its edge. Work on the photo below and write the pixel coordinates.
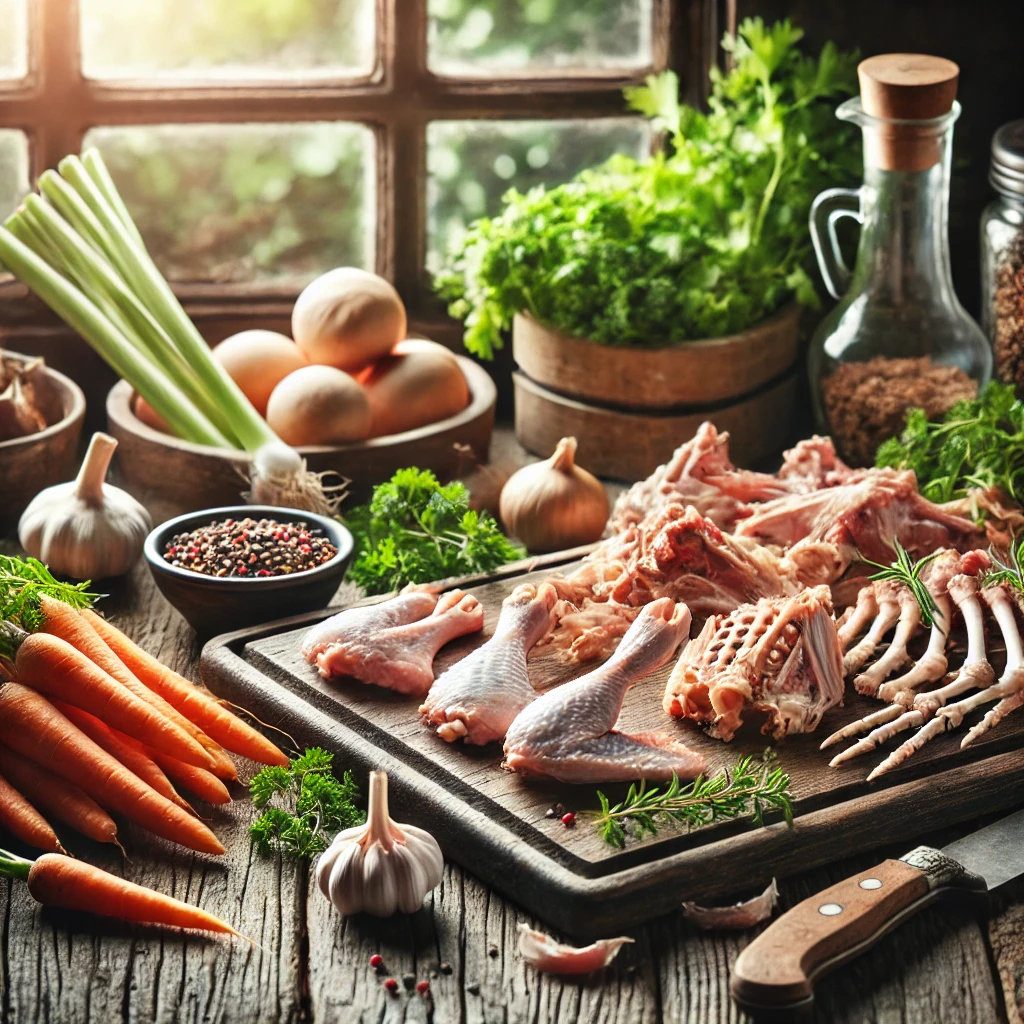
(376, 961)
(569, 819)
(243, 569)
(391, 985)
(423, 987)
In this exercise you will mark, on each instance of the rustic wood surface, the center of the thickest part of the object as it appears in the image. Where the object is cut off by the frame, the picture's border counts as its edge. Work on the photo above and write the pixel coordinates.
(951, 965)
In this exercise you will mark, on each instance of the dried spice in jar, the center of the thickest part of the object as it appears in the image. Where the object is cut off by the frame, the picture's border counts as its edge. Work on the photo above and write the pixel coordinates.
(1002, 242)
(251, 548)
(867, 402)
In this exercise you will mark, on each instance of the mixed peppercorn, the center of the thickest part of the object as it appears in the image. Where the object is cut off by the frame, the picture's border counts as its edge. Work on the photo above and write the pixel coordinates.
(250, 547)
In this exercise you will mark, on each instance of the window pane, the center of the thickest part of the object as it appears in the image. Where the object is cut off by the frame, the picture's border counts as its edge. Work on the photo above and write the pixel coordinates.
(13, 39)
(471, 164)
(246, 202)
(226, 38)
(510, 36)
(13, 169)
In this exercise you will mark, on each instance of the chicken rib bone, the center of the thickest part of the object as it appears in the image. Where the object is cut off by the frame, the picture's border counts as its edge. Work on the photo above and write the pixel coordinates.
(568, 733)
(780, 656)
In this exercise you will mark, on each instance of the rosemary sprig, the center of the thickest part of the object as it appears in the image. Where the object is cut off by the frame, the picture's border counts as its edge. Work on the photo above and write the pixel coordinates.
(1011, 572)
(751, 787)
(908, 572)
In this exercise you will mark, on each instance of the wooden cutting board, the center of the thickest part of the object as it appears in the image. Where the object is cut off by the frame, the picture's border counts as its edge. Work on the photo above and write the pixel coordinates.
(495, 823)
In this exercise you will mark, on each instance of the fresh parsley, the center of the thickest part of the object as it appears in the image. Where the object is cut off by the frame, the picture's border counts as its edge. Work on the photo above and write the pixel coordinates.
(977, 443)
(416, 530)
(753, 786)
(701, 242)
(312, 805)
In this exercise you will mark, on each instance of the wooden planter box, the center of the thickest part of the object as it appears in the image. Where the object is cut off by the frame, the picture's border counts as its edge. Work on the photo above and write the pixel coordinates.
(631, 408)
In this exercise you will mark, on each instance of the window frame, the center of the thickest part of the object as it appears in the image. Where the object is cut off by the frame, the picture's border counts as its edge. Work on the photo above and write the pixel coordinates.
(55, 105)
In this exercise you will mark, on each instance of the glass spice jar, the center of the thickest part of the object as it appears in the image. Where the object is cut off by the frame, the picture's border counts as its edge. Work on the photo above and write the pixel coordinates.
(1002, 256)
(898, 338)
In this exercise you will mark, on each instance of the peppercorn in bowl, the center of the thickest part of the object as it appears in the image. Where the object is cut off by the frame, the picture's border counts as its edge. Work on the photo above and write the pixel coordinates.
(228, 568)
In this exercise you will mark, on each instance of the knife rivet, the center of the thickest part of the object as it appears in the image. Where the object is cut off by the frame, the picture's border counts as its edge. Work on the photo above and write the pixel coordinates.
(830, 909)
(871, 883)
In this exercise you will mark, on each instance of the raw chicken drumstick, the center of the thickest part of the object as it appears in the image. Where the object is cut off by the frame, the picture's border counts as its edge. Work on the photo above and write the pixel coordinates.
(478, 697)
(415, 602)
(568, 732)
(401, 657)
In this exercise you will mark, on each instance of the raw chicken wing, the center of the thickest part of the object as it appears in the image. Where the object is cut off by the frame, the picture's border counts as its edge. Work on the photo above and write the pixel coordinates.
(478, 697)
(568, 732)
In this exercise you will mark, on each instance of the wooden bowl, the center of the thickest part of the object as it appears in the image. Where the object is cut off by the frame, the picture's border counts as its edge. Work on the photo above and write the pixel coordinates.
(691, 373)
(176, 476)
(28, 464)
(220, 605)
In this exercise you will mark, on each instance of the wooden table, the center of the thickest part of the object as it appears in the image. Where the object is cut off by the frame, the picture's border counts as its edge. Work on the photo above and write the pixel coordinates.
(948, 966)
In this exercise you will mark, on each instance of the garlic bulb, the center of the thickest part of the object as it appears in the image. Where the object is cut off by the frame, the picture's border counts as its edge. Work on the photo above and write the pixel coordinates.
(379, 867)
(554, 504)
(86, 528)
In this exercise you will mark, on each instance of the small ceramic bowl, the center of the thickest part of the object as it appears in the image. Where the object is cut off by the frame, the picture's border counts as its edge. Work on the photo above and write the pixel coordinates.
(223, 604)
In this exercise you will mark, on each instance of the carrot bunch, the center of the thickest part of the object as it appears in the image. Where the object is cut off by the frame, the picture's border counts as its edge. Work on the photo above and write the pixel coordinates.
(90, 724)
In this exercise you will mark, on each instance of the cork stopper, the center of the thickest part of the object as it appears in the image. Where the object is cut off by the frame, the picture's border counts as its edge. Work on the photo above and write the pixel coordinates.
(907, 87)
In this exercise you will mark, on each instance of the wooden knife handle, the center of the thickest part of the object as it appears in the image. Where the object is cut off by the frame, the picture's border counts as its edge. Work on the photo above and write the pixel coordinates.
(778, 968)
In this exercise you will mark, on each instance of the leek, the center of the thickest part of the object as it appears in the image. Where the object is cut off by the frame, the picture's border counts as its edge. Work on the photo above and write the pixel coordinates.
(76, 246)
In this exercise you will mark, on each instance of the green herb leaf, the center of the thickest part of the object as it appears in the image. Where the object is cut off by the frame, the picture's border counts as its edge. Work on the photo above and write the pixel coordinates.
(313, 805)
(754, 787)
(908, 572)
(698, 243)
(1009, 573)
(416, 530)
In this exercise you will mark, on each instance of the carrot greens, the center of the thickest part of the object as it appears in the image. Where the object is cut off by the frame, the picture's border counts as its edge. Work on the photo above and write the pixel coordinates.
(753, 786)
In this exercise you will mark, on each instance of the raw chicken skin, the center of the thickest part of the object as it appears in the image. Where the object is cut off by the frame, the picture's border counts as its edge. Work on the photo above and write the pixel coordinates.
(402, 657)
(416, 602)
(478, 698)
(568, 733)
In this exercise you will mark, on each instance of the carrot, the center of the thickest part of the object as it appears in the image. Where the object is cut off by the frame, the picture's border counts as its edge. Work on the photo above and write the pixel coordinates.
(60, 799)
(32, 726)
(58, 881)
(69, 624)
(204, 784)
(23, 821)
(218, 723)
(56, 669)
(129, 752)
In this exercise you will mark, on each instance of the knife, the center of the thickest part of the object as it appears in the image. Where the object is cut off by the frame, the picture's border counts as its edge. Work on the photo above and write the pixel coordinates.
(776, 972)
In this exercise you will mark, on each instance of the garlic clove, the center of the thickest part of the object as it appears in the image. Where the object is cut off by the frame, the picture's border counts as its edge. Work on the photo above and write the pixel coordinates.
(554, 504)
(380, 867)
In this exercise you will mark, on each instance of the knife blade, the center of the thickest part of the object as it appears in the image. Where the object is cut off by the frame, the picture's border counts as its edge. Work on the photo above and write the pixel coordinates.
(777, 971)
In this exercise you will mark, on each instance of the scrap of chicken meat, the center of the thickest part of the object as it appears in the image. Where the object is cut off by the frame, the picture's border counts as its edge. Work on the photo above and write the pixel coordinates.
(478, 697)
(957, 583)
(780, 656)
(568, 733)
(700, 473)
(415, 602)
(675, 552)
(865, 514)
(399, 655)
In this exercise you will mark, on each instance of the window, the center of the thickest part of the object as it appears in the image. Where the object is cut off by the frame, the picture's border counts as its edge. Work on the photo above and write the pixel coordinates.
(259, 142)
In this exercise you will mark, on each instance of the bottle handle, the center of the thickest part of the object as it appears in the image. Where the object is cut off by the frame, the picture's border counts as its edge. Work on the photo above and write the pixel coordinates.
(829, 207)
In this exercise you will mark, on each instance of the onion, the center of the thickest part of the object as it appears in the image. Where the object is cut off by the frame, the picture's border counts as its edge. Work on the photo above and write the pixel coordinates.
(554, 504)
(319, 405)
(348, 318)
(257, 361)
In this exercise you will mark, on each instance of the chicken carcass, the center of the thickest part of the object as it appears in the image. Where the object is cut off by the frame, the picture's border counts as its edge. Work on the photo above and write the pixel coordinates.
(400, 656)
(568, 733)
(675, 552)
(415, 602)
(867, 513)
(478, 697)
(780, 657)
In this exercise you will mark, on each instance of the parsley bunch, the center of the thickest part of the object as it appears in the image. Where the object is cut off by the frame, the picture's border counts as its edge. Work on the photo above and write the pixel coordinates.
(751, 787)
(696, 244)
(415, 530)
(977, 443)
(313, 805)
